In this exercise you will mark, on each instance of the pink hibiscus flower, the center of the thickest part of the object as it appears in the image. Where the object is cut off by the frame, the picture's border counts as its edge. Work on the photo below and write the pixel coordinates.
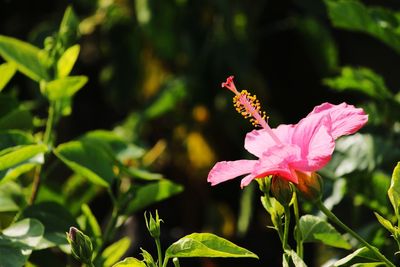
(289, 149)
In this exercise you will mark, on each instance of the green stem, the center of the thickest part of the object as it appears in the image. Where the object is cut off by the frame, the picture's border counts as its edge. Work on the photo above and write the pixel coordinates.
(176, 262)
(110, 225)
(46, 141)
(165, 261)
(49, 124)
(159, 253)
(286, 228)
(299, 238)
(333, 218)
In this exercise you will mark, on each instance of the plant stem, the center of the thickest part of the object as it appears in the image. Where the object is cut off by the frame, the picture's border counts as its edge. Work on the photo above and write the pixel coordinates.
(176, 262)
(110, 225)
(46, 141)
(286, 228)
(299, 238)
(159, 253)
(333, 218)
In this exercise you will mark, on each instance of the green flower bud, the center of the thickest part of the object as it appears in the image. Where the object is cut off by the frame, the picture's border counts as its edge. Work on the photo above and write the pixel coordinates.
(81, 245)
(264, 184)
(148, 259)
(153, 225)
(310, 185)
(282, 190)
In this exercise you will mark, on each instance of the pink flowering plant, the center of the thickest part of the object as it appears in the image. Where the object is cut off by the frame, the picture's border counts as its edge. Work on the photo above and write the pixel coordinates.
(287, 160)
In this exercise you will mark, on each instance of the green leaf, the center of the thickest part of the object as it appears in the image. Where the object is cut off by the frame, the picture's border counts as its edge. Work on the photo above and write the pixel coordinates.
(63, 87)
(18, 240)
(206, 245)
(130, 262)
(68, 31)
(12, 198)
(360, 255)
(152, 193)
(360, 79)
(376, 21)
(56, 219)
(297, 261)
(315, 229)
(394, 190)
(385, 223)
(167, 99)
(114, 252)
(13, 115)
(353, 153)
(92, 227)
(87, 160)
(67, 61)
(10, 143)
(7, 71)
(28, 58)
(16, 155)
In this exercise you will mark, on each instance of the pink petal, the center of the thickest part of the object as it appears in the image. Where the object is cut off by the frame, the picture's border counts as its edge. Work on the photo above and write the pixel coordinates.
(313, 135)
(346, 119)
(277, 161)
(227, 170)
(259, 141)
(246, 180)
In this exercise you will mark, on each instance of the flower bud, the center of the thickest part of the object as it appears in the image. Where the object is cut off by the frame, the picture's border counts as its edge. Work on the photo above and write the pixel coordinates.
(310, 185)
(148, 259)
(264, 184)
(81, 245)
(282, 190)
(153, 225)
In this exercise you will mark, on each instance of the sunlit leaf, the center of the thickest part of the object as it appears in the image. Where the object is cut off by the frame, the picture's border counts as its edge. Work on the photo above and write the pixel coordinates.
(28, 58)
(360, 79)
(378, 22)
(297, 261)
(10, 144)
(19, 154)
(67, 61)
(206, 245)
(394, 190)
(56, 219)
(63, 87)
(385, 223)
(7, 71)
(18, 240)
(151, 193)
(315, 229)
(114, 252)
(130, 262)
(88, 160)
(360, 255)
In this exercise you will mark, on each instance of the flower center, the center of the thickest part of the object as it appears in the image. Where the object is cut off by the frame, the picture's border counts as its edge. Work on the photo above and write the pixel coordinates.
(249, 107)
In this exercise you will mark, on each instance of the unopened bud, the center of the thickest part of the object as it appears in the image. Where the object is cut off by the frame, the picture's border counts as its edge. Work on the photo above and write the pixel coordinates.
(81, 245)
(264, 184)
(310, 185)
(282, 190)
(148, 259)
(153, 225)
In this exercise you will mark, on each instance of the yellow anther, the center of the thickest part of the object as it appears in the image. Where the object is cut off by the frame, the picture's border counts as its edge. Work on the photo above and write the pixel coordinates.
(249, 107)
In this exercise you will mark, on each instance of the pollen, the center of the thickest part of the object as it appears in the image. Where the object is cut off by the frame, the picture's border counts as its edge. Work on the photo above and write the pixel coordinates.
(250, 108)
